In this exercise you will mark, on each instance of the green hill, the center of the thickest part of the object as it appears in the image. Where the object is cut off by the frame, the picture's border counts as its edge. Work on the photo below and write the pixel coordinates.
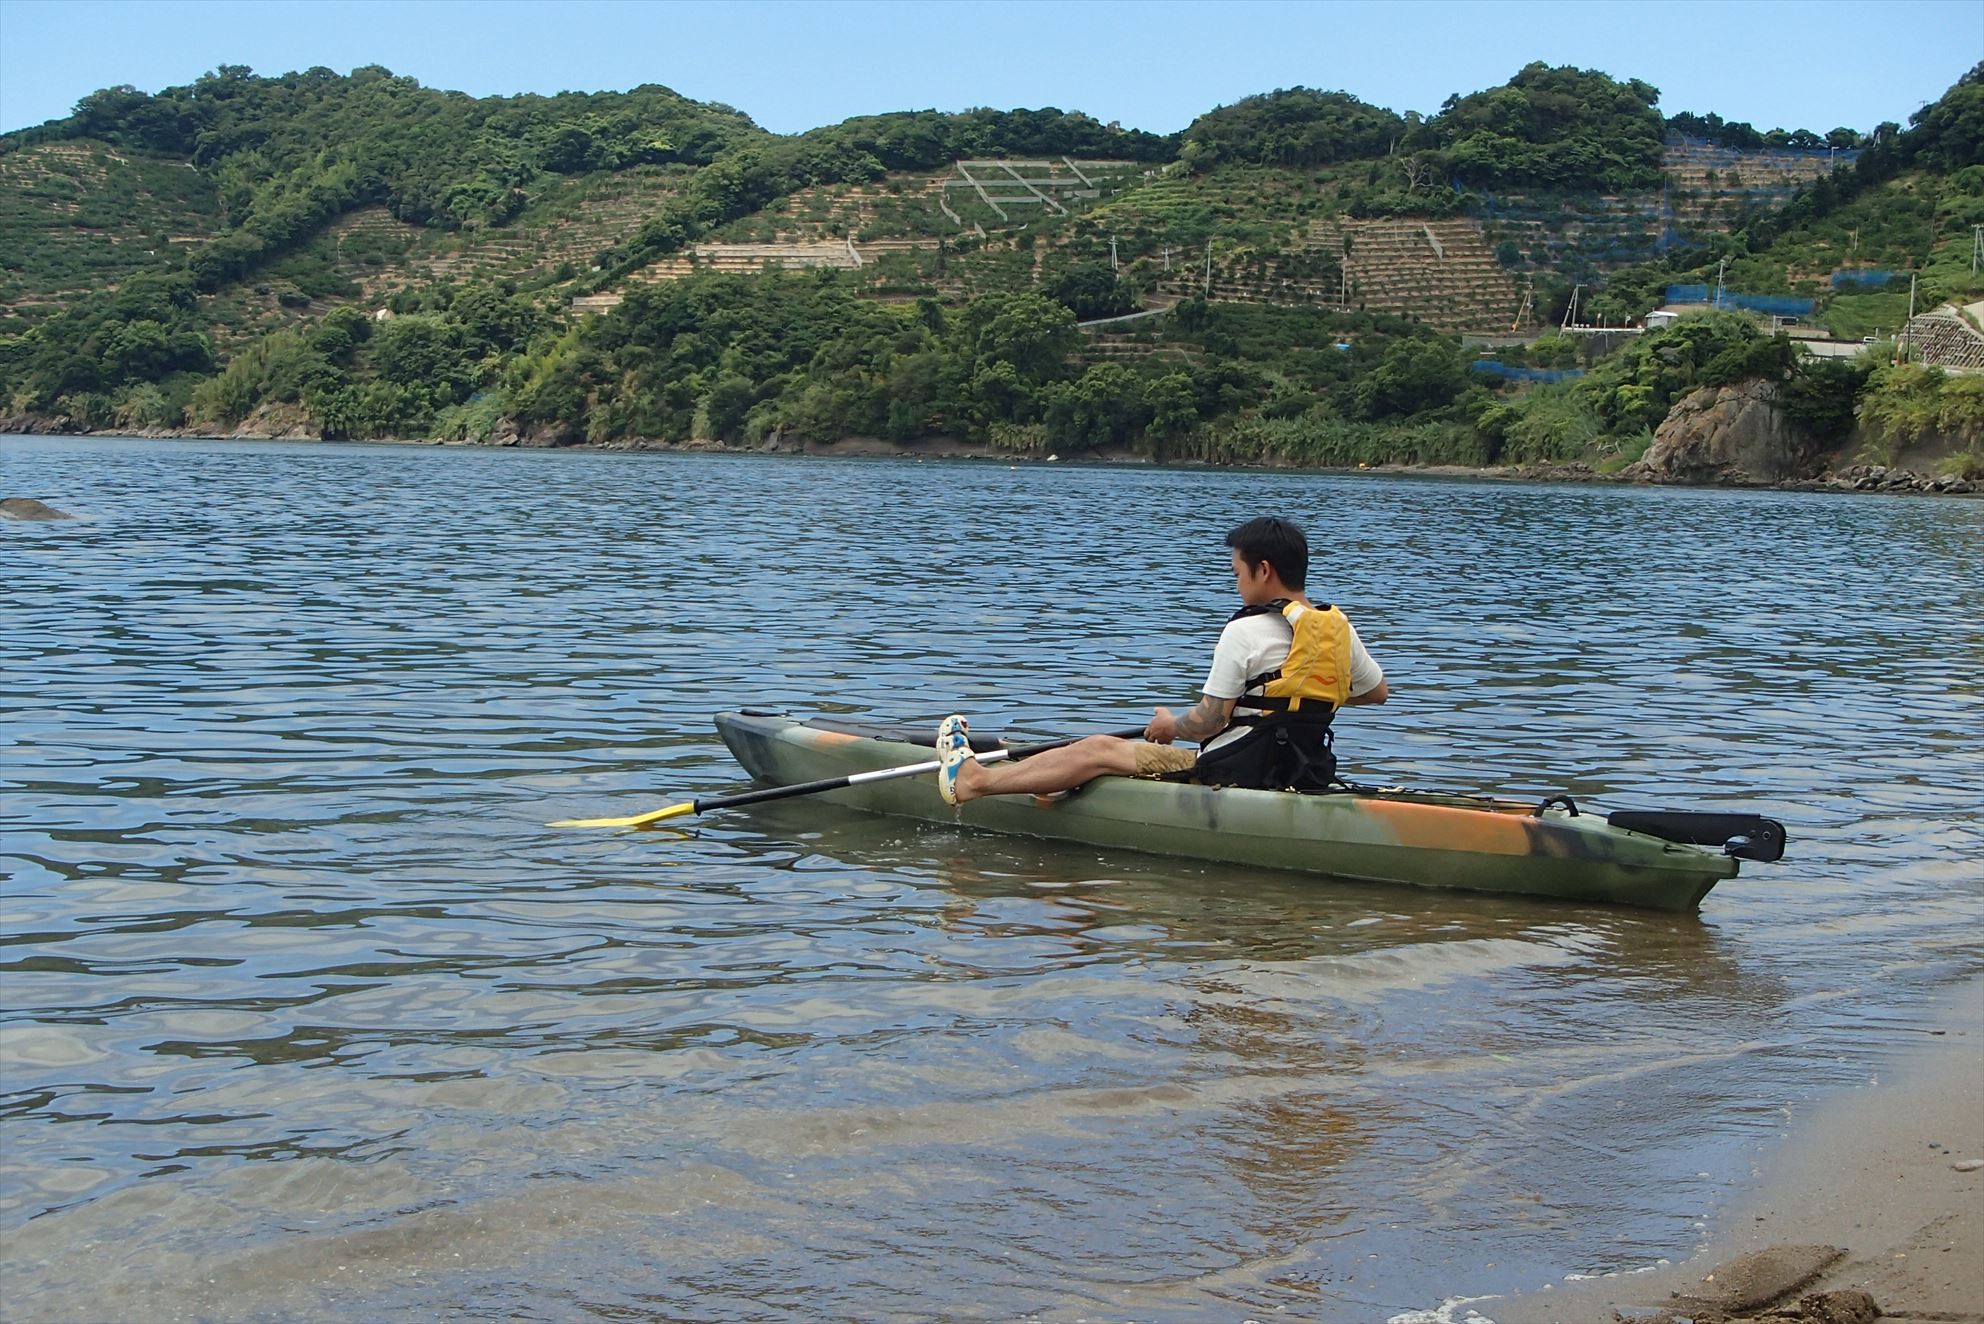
(364, 256)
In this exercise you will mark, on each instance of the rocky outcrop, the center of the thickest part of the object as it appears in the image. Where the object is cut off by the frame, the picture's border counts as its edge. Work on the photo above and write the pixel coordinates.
(510, 432)
(29, 508)
(1733, 435)
(278, 422)
(1887, 478)
(38, 425)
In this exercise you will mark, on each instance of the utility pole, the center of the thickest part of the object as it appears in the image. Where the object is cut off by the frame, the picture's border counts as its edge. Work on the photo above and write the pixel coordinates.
(1908, 326)
(1167, 257)
(1208, 268)
(1718, 280)
(1112, 253)
(1571, 313)
(1343, 267)
(1976, 248)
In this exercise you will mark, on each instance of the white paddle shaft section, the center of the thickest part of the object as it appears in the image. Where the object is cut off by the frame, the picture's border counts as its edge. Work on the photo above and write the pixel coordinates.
(918, 769)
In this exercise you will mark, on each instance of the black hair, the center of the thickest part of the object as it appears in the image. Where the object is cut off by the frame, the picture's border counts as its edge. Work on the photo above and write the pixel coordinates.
(1279, 542)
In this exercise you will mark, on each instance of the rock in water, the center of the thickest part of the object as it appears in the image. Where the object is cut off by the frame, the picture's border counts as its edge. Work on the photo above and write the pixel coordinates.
(29, 508)
(1726, 434)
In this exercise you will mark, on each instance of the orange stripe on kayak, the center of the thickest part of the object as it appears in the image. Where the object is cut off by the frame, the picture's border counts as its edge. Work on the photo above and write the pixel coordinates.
(817, 737)
(1442, 828)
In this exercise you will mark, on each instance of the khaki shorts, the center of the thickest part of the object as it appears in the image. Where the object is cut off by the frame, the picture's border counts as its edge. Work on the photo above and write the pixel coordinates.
(1154, 760)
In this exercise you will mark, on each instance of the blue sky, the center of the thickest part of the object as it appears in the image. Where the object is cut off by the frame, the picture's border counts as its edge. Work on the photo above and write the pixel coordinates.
(1154, 65)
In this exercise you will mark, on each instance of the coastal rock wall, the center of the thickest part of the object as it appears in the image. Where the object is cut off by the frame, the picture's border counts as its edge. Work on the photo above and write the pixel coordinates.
(1729, 435)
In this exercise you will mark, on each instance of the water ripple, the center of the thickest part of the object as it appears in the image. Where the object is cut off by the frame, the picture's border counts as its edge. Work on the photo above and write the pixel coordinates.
(307, 1013)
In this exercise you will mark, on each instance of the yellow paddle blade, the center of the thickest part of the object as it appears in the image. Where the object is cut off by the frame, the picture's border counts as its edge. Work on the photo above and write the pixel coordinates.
(638, 820)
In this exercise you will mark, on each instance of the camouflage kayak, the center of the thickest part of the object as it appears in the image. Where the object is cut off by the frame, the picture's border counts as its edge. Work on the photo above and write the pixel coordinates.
(1384, 835)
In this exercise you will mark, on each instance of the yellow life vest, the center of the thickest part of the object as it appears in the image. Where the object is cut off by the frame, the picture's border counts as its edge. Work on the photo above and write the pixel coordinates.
(1317, 671)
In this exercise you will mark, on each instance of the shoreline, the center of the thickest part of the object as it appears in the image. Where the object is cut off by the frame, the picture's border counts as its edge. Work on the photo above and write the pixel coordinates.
(1857, 478)
(1881, 1173)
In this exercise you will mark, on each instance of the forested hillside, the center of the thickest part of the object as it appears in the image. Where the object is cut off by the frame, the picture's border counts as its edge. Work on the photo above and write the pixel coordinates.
(358, 256)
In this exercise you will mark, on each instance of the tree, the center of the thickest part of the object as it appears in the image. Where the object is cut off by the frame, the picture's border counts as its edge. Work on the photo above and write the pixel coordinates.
(418, 351)
(1173, 404)
(1035, 335)
(1950, 132)
(1413, 375)
(1105, 405)
(492, 321)
(728, 401)
(1091, 290)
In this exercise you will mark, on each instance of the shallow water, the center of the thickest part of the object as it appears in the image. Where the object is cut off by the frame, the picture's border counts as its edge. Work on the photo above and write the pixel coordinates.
(307, 1013)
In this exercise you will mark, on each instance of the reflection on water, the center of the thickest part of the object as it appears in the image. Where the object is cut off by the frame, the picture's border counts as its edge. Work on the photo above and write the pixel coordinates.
(306, 1012)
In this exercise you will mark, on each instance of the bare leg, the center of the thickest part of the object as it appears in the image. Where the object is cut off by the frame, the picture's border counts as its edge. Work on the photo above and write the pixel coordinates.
(1060, 769)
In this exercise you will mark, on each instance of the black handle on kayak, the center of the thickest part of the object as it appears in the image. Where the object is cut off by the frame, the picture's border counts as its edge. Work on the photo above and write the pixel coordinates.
(1744, 836)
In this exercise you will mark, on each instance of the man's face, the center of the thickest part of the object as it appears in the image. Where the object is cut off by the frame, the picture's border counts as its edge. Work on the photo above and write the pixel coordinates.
(1251, 582)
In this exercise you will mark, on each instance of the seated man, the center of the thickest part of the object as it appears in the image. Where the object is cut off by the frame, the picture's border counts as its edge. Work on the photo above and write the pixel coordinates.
(1284, 663)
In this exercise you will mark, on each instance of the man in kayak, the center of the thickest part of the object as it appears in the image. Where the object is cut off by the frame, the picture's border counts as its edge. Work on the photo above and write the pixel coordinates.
(1282, 668)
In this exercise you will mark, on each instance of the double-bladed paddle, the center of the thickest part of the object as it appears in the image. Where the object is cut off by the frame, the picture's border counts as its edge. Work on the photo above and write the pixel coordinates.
(826, 784)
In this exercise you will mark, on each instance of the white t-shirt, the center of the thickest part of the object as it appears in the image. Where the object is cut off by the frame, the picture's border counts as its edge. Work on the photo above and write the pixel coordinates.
(1259, 643)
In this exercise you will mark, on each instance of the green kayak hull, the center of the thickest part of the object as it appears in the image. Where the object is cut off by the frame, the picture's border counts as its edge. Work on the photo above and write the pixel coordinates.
(1422, 839)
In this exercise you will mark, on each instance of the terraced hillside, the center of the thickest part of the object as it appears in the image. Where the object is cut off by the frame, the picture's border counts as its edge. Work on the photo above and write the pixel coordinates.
(1709, 184)
(1273, 236)
(1579, 237)
(79, 217)
(898, 206)
(979, 227)
(558, 236)
(982, 225)
(76, 218)
(1441, 272)
(992, 193)
(368, 256)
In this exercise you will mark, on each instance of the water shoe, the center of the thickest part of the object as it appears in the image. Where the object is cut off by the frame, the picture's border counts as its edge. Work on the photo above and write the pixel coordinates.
(953, 748)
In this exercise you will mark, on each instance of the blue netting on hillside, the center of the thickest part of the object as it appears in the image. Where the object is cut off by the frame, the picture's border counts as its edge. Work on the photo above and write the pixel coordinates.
(1841, 279)
(1778, 305)
(1496, 368)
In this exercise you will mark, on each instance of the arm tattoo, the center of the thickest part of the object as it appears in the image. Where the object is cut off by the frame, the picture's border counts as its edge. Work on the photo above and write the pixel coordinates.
(1206, 719)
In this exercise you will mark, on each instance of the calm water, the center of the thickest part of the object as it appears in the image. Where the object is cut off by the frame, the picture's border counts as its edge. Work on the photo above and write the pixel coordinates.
(308, 1014)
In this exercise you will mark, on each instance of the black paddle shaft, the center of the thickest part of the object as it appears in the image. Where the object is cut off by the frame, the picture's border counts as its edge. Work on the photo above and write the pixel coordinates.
(880, 774)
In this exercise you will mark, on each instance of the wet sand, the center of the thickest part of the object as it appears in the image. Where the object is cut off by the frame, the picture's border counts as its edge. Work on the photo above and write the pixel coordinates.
(1883, 1175)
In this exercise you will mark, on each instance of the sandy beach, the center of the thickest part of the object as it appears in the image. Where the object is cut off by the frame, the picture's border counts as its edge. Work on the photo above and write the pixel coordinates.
(1879, 1190)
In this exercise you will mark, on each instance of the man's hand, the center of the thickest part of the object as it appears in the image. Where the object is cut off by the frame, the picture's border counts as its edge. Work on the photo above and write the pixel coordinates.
(1163, 728)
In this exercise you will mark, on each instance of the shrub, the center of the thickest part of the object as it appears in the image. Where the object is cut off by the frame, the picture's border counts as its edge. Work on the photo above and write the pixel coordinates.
(1557, 423)
(1821, 395)
(1899, 403)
